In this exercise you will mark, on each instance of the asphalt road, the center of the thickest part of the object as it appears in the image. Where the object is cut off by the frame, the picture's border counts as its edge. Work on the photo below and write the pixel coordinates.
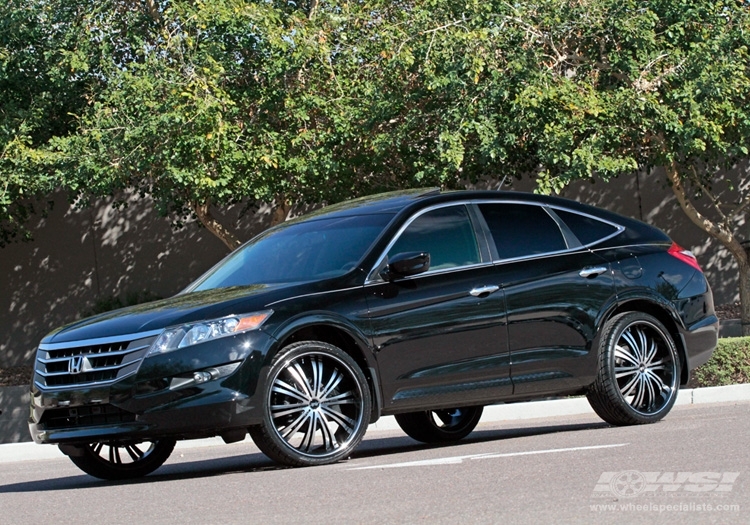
(693, 467)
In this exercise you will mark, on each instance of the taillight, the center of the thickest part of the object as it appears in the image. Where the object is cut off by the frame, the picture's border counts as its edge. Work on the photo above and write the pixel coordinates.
(684, 255)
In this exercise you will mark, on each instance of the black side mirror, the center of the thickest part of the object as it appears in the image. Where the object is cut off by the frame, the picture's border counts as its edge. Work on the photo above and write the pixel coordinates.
(406, 264)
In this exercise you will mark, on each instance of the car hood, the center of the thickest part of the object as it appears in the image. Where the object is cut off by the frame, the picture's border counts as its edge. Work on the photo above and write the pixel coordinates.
(182, 308)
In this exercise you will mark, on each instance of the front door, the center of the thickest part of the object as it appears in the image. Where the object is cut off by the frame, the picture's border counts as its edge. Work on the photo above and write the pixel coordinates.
(440, 336)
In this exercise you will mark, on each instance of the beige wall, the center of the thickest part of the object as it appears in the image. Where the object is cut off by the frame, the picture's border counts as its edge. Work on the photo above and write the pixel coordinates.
(78, 256)
(81, 255)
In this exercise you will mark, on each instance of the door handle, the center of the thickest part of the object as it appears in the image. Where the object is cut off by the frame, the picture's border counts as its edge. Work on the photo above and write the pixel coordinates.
(592, 271)
(484, 291)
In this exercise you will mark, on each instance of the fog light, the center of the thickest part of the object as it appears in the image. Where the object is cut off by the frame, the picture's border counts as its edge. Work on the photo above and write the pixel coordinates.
(201, 377)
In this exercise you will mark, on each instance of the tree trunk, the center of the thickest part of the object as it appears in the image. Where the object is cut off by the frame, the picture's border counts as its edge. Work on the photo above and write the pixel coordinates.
(203, 212)
(280, 211)
(721, 233)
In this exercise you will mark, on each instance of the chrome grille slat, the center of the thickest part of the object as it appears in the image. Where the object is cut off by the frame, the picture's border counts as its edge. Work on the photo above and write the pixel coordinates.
(94, 384)
(91, 354)
(97, 369)
(96, 363)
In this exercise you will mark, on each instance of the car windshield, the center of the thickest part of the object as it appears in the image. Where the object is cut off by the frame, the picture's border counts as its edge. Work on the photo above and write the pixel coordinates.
(302, 251)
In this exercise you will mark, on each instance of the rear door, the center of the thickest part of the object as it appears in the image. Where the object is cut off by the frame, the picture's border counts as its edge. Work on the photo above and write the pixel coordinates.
(555, 289)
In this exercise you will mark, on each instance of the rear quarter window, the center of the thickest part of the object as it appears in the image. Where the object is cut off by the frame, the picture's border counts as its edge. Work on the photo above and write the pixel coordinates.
(587, 229)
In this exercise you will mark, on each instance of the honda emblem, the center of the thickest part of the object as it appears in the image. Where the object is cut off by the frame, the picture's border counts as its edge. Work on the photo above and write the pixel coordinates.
(75, 365)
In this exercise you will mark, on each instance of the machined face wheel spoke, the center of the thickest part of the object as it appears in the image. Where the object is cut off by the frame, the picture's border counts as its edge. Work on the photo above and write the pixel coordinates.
(656, 380)
(649, 397)
(334, 382)
(630, 386)
(633, 345)
(623, 371)
(317, 379)
(285, 389)
(651, 354)
(114, 455)
(309, 433)
(346, 423)
(301, 379)
(447, 417)
(661, 364)
(623, 354)
(134, 452)
(329, 439)
(113, 452)
(346, 398)
(294, 426)
(286, 410)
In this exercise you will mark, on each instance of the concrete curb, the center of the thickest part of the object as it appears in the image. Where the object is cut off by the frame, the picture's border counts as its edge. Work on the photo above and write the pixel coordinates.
(15, 452)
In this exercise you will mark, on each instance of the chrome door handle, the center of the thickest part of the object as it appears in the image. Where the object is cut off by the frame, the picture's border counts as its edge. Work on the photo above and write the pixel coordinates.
(484, 290)
(592, 271)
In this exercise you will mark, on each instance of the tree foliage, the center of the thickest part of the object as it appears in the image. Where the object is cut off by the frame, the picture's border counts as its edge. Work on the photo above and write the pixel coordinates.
(626, 85)
(37, 91)
(202, 104)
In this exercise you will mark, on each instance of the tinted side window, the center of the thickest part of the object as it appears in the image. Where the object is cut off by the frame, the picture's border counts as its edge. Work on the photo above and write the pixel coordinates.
(521, 230)
(587, 229)
(445, 233)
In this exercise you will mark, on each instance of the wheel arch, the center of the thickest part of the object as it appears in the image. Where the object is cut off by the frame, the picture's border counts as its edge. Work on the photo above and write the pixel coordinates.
(666, 316)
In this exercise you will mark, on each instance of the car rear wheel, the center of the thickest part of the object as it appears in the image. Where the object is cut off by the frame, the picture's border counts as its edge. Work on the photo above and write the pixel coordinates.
(638, 375)
(119, 459)
(317, 406)
(440, 426)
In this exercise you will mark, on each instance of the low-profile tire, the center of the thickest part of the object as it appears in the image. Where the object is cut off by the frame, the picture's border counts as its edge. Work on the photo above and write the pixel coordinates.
(440, 426)
(122, 460)
(639, 371)
(316, 406)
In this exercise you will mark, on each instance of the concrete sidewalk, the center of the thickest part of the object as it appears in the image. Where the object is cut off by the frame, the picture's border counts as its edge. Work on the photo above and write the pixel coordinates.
(14, 452)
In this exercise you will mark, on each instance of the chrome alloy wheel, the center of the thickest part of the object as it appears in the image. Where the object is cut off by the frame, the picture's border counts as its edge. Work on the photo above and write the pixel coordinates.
(440, 426)
(645, 368)
(638, 371)
(318, 406)
(120, 459)
(315, 406)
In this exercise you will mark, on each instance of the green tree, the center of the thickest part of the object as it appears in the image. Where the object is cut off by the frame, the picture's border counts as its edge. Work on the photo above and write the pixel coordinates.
(213, 104)
(205, 104)
(38, 90)
(621, 85)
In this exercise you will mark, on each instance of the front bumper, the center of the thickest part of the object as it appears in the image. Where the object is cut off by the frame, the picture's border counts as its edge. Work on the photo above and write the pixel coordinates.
(205, 390)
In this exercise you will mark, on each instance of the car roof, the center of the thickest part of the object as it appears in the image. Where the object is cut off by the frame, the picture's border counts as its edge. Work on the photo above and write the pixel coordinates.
(405, 200)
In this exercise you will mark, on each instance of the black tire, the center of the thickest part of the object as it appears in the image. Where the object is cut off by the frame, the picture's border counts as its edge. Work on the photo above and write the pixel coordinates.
(639, 371)
(440, 426)
(122, 460)
(316, 406)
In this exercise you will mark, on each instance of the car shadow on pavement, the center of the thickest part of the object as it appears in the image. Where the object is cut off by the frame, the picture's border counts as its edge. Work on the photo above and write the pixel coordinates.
(391, 445)
(257, 463)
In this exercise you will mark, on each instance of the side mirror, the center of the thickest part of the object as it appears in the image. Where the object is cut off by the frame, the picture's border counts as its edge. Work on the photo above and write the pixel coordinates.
(406, 264)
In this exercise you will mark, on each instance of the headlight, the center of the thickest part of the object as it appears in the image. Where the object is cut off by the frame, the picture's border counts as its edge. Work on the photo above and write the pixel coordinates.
(200, 332)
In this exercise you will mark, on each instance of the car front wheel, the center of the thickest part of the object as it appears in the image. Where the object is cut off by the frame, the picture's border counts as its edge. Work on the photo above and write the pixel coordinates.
(317, 406)
(119, 459)
(440, 426)
(638, 376)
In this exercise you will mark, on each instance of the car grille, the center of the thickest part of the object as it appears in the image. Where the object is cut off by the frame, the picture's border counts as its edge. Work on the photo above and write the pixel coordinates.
(85, 416)
(98, 363)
